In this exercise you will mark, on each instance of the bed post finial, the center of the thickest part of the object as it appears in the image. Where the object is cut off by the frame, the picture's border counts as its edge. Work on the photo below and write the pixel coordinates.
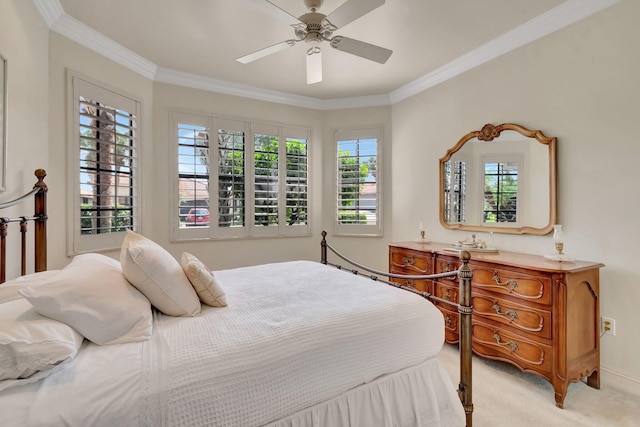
(323, 248)
(465, 309)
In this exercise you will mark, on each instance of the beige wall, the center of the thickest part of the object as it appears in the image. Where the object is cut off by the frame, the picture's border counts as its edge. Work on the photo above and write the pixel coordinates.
(580, 84)
(24, 44)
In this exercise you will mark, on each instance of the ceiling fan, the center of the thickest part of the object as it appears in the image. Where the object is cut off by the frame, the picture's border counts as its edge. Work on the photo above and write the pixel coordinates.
(314, 28)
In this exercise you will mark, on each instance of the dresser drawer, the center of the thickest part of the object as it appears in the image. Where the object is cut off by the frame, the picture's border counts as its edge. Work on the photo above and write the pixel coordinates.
(451, 325)
(521, 285)
(445, 264)
(446, 291)
(528, 320)
(406, 261)
(419, 285)
(492, 341)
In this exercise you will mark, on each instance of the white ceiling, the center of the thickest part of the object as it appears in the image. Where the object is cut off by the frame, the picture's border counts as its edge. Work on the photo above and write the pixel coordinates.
(196, 42)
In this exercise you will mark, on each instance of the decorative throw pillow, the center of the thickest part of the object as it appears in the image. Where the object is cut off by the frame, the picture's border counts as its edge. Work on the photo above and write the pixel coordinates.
(157, 274)
(92, 296)
(32, 345)
(203, 281)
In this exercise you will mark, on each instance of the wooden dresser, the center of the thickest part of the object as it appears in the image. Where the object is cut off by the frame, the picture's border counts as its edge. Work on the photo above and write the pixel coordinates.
(542, 316)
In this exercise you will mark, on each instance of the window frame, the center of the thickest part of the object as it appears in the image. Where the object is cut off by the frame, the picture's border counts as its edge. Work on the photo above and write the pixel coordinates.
(360, 133)
(77, 86)
(249, 128)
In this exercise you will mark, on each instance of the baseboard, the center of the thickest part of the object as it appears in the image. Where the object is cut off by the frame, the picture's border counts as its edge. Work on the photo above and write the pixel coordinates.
(612, 379)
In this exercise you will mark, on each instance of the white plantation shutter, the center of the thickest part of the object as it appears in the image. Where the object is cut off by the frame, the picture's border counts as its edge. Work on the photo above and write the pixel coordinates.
(266, 180)
(193, 169)
(254, 182)
(358, 190)
(232, 160)
(297, 181)
(104, 144)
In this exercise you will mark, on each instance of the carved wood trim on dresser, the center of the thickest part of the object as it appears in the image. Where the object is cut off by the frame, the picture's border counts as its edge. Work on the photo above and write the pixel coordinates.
(540, 315)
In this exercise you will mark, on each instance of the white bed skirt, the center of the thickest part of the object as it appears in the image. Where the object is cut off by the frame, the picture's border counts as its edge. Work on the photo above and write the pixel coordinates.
(420, 396)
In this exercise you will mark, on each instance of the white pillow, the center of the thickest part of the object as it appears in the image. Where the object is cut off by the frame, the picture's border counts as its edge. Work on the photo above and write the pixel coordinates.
(9, 289)
(32, 345)
(157, 274)
(92, 296)
(203, 281)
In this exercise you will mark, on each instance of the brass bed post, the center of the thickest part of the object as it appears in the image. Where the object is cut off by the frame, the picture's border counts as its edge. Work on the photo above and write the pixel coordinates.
(465, 309)
(23, 245)
(323, 248)
(41, 222)
(3, 248)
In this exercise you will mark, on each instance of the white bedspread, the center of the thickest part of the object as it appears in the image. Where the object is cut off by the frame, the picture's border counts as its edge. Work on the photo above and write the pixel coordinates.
(295, 336)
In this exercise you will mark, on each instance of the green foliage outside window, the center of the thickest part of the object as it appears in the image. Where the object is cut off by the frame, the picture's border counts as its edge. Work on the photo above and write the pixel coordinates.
(353, 175)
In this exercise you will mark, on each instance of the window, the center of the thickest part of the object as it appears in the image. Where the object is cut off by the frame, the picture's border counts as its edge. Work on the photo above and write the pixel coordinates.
(358, 202)
(501, 191)
(253, 182)
(104, 138)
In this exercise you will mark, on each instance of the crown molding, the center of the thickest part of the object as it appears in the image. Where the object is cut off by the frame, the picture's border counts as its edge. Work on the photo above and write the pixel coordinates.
(195, 81)
(563, 15)
(60, 22)
(86, 36)
(50, 11)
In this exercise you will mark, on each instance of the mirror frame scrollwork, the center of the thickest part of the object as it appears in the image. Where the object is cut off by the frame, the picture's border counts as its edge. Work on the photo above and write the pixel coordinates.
(488, 133)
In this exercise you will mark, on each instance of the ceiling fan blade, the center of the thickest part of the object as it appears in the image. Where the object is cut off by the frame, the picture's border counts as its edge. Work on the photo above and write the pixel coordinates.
(289, 15)
(314, 67)
(266, 51)
(352, 10)
(362, 49)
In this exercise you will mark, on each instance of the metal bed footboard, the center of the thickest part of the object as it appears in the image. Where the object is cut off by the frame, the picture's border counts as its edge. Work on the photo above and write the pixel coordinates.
(464, 308)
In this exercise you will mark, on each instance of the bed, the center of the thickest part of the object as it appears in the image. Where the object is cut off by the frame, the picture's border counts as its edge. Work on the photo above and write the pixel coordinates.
(296, 343)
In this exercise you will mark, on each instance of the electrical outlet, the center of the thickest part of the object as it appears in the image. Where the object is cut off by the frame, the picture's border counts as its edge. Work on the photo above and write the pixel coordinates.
(608, 325)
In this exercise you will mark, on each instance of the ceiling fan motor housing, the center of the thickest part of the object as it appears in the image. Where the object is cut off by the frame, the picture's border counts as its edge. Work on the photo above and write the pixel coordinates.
(314, 27)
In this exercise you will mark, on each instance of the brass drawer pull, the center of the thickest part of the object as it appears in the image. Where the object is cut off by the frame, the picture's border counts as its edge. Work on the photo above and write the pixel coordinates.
(409, 282)
(511, 283)
(406, 261)
(510, 313)
(447, 295)
(446, 267)
(447, 320)
(511, 344)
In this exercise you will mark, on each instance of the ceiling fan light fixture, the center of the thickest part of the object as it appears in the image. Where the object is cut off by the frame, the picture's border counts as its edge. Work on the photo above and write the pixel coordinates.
(314, 65)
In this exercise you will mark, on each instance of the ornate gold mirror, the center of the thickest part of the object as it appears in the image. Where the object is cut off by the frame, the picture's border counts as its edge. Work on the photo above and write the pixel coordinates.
(500, 179)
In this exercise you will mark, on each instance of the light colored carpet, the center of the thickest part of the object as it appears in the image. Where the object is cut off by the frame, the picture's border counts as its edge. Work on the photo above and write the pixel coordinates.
(504, 396)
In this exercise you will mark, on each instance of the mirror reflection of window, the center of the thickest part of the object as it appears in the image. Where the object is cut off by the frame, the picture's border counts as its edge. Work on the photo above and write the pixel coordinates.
(501, 189)
(455, 191)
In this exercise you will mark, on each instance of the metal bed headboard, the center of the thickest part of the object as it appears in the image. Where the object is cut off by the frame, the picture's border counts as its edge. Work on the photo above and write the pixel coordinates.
(39, 218)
